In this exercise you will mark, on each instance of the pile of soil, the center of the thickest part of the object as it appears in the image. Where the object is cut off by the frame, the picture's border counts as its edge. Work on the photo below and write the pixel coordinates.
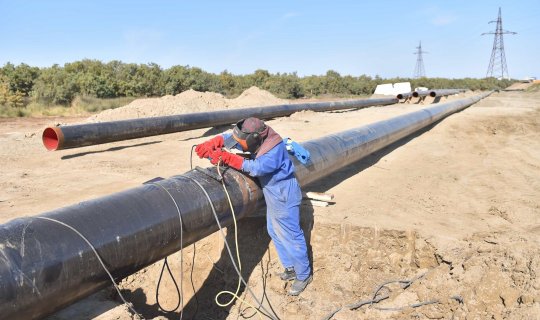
(186, 102)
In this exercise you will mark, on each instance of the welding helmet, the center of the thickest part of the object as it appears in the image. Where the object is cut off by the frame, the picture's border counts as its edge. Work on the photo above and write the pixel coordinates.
(248, 133)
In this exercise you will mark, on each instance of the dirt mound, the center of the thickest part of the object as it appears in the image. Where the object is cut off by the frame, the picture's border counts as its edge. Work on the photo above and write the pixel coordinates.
(519, 86)
(255, 97)
(186, 102)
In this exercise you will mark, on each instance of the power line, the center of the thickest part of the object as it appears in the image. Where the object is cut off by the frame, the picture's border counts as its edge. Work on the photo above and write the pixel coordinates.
(497, 63)
(419, 71)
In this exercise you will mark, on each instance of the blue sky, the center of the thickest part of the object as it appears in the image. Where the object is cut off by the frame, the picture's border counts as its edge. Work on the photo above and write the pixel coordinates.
(308, 37)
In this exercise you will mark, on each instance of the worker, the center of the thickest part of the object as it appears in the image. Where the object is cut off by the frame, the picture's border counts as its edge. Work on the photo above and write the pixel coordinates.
(270, 163)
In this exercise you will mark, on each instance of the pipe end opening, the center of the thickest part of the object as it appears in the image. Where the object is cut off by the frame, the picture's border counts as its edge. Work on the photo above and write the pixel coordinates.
(50, 139)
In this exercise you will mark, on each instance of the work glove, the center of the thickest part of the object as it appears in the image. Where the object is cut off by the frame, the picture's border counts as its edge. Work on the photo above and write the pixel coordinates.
(232, 160)
(204, 149)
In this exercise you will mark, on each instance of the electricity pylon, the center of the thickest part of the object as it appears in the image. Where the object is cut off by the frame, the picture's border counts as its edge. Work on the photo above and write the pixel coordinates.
(419, 71)
(497, 63)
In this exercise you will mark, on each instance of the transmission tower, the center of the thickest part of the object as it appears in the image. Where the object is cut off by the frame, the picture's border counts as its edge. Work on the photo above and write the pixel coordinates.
(497, 63)
(419, 71)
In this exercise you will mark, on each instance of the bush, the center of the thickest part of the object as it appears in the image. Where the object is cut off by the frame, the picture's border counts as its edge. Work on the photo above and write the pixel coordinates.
(103, 85)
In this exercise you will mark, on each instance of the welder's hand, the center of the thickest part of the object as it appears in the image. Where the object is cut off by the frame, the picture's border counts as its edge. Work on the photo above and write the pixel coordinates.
(204, 149)
(232, 160)
(215, 156)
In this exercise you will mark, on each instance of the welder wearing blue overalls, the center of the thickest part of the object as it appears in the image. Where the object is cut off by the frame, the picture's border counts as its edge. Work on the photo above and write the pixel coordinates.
(270, 163)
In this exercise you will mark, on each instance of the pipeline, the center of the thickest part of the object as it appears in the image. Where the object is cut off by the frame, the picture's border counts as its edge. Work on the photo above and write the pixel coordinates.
(74, 136)
(45, 266)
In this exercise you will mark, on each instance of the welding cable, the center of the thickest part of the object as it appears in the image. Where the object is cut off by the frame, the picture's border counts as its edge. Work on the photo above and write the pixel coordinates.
(259, 312)
(238, 254)
(235, 294)
(376, 298)
(166, 265)
(191, 156)
(239, 268)
(181, 291)
(194, 248)
(128, 305)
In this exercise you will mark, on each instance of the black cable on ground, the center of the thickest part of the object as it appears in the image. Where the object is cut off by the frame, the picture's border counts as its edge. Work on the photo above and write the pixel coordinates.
(376, 299)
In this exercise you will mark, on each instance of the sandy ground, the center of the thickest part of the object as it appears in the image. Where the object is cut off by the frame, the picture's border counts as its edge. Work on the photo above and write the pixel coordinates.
(456, 207)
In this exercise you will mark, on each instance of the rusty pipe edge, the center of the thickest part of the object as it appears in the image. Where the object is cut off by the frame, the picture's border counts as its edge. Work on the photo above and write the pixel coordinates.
(45, 266)
(75, 136)
(53, 138)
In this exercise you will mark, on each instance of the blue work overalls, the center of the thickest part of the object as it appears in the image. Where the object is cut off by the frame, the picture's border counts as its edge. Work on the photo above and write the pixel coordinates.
(282, 194)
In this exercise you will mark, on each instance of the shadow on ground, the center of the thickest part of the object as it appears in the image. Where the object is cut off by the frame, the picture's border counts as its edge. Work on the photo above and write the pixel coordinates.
(80, 154)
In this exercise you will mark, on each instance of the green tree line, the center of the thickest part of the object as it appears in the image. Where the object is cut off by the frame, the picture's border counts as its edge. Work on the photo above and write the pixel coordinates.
(60, 85)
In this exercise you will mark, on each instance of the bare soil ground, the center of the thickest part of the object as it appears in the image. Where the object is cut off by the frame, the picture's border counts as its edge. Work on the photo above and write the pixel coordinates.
(456, 207)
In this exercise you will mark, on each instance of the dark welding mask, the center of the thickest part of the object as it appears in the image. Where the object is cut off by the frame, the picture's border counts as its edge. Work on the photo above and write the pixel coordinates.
(249, 141)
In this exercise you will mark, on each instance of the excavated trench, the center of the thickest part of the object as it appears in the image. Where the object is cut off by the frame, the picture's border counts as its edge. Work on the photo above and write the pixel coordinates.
(477, 277)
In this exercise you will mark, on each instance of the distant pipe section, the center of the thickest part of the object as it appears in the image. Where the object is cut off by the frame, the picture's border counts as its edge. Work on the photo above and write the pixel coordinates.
(74, 136)
(45, 266)
(404, 95)
(436, 92)
(421, 93)
(444, 92)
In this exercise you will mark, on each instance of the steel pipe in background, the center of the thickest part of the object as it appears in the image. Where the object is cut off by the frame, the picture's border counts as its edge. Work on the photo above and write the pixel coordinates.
(404, 95)
(421, 93)
(444, 92)
(74, 136)
(45, 266)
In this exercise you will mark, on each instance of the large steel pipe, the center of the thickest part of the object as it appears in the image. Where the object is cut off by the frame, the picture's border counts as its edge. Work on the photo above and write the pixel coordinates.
(45, 266)
(332, 152)
(74, 136)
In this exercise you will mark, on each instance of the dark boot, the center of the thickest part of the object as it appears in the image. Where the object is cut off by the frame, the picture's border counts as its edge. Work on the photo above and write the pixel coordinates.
(299, 285)
(287, 275)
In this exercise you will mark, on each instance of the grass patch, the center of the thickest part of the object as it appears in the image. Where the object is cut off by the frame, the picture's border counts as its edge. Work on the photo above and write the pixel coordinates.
(534, 88)
(81, 106)
(92, 105)
(10, 112)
